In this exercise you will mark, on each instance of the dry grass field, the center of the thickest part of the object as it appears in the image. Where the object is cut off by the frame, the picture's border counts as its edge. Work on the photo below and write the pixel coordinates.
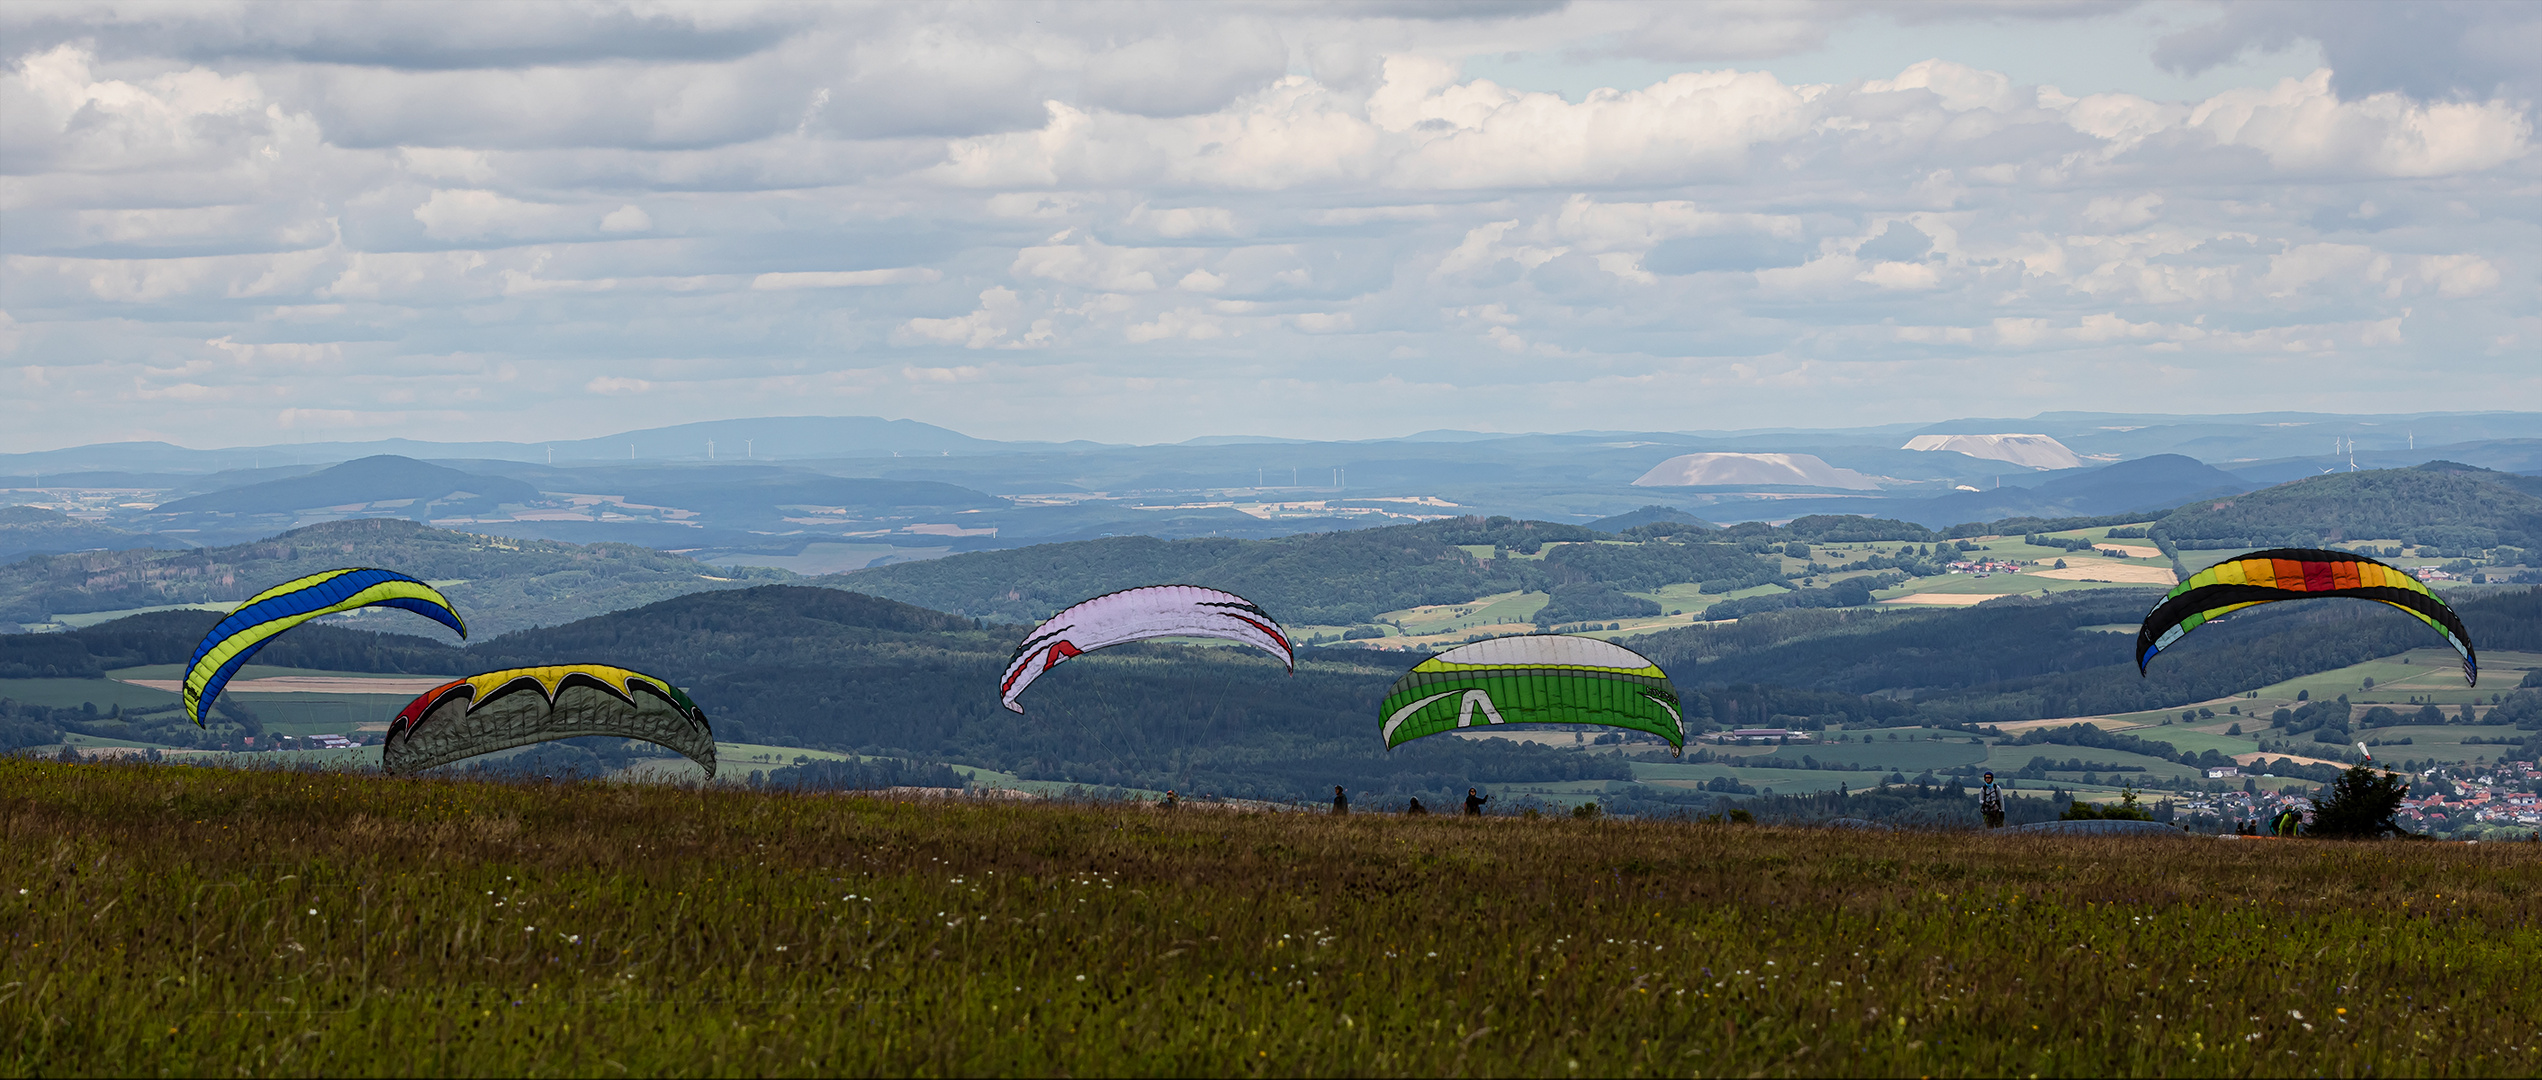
(173, 920)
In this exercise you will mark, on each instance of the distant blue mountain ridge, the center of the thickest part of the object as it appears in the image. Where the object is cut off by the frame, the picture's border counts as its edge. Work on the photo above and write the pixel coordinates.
(2224, 440)
(869, 490)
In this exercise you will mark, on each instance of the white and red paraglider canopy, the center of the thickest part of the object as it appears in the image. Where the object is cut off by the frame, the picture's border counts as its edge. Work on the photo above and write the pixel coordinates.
(1138, 614)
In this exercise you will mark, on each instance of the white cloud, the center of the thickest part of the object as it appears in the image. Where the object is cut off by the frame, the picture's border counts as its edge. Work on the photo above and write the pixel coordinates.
(1486, 246)
(2303, 127)
(1185, 323)
(628, 218)
(988, 326)
(1185, 221)
(447, 163)
(60, 115)
(2459, 275)
(1626, 265)
(1960, 87)
(287, 353)
(1147, 208)
(469, 214)
(1901, 275)
(837, 279)
(2123, 213)
(1091, 264)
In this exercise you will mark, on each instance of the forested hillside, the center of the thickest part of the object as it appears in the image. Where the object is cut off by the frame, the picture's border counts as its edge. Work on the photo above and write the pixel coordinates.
(499, 584)
(2025, 658)
(169, 637)
(2438, 504)
(830, 669)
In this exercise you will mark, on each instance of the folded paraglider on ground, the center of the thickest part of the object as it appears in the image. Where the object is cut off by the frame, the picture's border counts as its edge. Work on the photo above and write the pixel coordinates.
(499, 710)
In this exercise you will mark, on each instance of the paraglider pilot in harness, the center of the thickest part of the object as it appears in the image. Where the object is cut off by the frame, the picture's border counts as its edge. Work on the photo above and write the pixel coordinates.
(1990, 802)
(1341, 802)
(1474, 803)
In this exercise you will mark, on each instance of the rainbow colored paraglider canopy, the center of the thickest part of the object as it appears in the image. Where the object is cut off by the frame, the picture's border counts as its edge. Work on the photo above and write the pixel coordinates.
(2263, 577)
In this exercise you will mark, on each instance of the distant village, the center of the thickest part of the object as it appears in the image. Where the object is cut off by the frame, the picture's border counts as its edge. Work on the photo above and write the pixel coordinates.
(2488, 793)
(1985, 567)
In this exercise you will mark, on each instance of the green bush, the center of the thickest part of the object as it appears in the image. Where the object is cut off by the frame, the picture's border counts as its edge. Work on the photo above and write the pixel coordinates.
(2361, 806)
(2125, 810)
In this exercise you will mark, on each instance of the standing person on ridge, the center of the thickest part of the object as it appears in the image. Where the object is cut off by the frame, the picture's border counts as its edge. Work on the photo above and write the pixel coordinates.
(1341, 802)
(1990, 802)
(1416, 809)
(1474, 803)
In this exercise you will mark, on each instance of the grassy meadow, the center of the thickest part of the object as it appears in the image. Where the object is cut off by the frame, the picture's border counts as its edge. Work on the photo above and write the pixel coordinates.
(170, 919)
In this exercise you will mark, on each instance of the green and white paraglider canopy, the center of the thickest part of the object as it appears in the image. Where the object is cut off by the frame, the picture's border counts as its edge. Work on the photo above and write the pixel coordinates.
(1532, 679)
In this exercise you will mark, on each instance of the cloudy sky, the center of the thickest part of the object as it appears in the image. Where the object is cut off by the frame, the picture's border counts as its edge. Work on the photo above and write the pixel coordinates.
(240, 222)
